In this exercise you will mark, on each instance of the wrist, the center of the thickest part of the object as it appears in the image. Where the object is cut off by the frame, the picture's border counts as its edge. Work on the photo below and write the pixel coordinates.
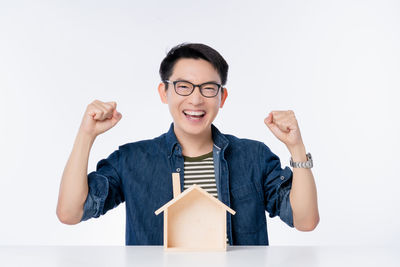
(298, 153)
(84, 137)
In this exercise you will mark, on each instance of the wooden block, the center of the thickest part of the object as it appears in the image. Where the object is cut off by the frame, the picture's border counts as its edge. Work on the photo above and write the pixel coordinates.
(176, 184)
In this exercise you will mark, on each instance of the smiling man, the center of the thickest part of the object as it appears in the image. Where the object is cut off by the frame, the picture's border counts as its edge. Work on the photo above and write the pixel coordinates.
(242, 173)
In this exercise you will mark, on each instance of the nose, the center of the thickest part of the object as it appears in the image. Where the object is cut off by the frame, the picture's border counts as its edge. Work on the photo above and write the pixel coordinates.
(196, 98)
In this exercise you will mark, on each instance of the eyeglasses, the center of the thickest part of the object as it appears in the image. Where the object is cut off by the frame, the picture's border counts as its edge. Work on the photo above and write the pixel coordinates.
(185, 88)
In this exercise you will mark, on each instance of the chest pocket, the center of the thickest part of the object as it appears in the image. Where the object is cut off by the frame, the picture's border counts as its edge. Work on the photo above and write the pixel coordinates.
(248, 203)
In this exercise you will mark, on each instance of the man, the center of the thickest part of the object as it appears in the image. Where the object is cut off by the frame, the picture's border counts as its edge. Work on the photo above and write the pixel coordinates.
(244, 174)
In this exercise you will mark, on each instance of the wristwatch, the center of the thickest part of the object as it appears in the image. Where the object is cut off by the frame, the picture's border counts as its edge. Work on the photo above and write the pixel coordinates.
(308, 164)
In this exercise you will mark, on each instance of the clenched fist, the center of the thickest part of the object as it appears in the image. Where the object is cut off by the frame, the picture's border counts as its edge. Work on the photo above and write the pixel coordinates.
(284, 126)
(99, 117)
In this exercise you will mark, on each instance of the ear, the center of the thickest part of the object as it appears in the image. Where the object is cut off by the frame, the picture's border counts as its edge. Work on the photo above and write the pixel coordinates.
(223, 97)
(163, 93)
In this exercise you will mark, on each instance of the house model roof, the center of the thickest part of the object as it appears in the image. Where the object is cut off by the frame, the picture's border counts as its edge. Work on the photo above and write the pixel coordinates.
(194, 187)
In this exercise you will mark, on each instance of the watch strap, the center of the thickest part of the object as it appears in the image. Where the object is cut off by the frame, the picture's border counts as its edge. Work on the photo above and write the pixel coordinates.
(307, 165)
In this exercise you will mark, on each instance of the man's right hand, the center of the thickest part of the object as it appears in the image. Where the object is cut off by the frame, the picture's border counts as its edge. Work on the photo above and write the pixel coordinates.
(99, 117)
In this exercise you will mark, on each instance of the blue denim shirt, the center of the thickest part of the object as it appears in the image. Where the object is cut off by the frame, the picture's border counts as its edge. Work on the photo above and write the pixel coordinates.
(248, 175)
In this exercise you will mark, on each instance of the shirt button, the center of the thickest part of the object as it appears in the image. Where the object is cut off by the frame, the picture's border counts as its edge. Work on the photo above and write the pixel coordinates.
(282, 177)
(176, 148)
(178, 169)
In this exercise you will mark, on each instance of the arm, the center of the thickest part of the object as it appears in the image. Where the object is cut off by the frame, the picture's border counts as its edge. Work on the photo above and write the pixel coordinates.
(99, 117)
(74, 186)
(303, 194)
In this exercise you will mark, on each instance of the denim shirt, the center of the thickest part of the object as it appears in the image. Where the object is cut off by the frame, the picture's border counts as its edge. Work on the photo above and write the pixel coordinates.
(248, 175)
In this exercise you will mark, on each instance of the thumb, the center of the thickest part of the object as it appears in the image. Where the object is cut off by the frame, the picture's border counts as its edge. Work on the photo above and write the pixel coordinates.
(116, 117)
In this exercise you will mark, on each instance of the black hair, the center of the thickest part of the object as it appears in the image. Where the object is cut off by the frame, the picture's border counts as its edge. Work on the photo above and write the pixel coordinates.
(195, 51)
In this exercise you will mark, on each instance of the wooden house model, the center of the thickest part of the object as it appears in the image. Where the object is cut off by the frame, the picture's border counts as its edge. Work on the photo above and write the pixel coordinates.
(194, 220)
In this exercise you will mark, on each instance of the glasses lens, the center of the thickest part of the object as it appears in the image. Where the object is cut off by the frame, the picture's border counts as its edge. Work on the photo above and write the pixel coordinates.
(209, 89)
(183, 88)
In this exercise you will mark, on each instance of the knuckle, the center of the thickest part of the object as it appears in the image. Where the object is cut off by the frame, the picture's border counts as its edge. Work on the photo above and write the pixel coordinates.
(108, 106)
(91, 107)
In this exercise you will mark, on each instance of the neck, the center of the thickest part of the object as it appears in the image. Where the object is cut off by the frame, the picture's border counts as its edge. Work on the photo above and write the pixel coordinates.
(194, 145)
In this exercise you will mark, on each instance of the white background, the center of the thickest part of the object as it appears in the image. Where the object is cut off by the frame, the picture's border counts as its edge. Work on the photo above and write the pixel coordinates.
(335, 63)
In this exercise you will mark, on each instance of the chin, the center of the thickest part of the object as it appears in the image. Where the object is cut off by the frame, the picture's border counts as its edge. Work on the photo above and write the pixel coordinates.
(193, 130)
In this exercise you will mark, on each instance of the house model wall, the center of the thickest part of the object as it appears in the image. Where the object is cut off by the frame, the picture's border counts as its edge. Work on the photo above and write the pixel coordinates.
(194, 220)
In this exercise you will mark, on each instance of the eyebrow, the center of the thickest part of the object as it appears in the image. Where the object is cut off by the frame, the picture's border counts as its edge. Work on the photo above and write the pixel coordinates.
(181, 79)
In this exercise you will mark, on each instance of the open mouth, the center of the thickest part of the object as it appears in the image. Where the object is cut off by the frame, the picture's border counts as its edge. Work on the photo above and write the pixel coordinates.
(194, 115)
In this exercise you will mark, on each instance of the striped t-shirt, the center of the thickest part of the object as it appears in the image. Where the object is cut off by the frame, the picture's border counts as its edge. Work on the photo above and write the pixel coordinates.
(200, 170)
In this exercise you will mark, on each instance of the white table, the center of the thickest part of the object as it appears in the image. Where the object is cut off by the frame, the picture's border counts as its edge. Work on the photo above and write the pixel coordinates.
(247, 256)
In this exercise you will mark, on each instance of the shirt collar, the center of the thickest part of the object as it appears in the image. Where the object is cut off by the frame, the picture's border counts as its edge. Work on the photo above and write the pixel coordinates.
(218, 138)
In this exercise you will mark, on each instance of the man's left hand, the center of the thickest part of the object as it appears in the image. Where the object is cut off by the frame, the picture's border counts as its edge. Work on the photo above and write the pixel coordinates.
(283, 125)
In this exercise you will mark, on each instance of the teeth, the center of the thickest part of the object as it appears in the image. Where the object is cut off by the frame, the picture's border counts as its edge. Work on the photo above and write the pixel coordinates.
(194, 113)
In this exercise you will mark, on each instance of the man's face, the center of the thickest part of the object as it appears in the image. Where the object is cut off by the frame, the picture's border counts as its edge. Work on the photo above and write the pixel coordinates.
(192, 114)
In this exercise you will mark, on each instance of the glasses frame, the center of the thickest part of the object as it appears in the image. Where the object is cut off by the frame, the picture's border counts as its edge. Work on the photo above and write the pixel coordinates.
(194, 86)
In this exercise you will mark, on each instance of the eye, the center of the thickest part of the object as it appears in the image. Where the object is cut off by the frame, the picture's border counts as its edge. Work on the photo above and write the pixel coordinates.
(210, 87)
(183, 86)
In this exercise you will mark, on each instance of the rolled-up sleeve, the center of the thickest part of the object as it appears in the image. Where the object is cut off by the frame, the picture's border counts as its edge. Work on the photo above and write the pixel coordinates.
(105, 187)
(277, 182)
